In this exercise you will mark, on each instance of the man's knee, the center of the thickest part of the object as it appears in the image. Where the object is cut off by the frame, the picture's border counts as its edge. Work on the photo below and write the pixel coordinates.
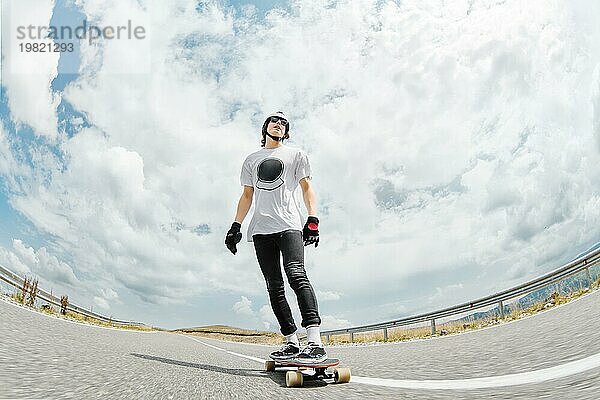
(296, 275)
(275, 286)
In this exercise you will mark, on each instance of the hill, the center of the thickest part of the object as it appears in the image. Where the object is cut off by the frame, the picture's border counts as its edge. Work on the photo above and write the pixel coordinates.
(224, 332)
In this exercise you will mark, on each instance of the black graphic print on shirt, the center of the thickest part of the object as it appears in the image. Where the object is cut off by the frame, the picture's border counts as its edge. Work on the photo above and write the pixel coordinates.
(270, 173)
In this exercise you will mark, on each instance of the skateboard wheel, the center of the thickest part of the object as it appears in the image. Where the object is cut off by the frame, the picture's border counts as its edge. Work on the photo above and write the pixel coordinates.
(269, 366)
(341, 375)
(293, 379)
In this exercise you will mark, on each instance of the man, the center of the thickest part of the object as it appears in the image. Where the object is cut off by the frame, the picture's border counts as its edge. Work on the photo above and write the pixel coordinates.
(271, 175)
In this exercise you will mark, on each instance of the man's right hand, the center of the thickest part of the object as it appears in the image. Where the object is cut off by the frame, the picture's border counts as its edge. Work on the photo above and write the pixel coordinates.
(233, 237)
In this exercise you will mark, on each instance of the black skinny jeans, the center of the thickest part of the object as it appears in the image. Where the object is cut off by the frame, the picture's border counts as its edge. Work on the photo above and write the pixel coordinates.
(290, 244)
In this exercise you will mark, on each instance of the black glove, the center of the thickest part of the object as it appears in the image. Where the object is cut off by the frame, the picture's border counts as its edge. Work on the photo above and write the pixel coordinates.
(310, 233)
(233, 237)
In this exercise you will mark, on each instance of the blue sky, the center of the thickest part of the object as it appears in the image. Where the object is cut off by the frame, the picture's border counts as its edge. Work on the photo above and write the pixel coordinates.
(262, 7)
(14, 224)
(451, 159)
(65, 13)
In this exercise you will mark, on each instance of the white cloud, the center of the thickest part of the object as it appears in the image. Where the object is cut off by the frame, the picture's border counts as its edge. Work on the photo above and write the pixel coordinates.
(27, 254)
(101, 302)
(11, 261)
(327, 295)
(109, 294)
(330, 322)
(268, 318)
(27, 75)
(106, 297)
(8, 164)
(437, 141)
(42, 263)
(445, 292)
(243, 307)
(261, 319)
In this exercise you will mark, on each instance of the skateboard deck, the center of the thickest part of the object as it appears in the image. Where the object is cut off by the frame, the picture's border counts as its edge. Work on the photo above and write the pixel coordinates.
(312, 371)
(330, 362)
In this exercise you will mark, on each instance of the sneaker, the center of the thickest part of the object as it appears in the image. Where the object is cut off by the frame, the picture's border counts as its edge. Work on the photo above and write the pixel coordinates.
(287, 351)
(312, 353)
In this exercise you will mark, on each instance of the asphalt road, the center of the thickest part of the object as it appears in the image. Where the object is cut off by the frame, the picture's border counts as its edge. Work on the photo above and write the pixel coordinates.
(44, 357)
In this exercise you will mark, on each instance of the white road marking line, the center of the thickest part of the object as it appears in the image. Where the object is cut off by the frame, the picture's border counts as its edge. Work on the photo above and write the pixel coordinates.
(260, 360)
(522, 378)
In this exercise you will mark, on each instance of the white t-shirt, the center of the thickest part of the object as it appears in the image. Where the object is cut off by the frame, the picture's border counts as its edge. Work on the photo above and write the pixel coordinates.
(275, 175)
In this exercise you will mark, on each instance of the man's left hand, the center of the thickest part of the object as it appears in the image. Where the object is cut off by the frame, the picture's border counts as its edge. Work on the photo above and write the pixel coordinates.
(310, 233)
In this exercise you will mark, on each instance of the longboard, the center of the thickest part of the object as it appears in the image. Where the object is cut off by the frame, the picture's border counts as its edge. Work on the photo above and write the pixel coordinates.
(295, 378)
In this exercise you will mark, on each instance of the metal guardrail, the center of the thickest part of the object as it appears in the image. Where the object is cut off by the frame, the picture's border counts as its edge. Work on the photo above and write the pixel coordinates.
(582, 263)
(15, 280)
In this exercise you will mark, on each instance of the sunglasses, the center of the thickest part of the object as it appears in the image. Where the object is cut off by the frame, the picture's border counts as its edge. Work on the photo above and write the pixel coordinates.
(282, 121)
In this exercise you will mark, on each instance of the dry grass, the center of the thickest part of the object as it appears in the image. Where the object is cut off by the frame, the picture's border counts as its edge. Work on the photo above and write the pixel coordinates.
(232, 334)
(49, 309)
(84, 318)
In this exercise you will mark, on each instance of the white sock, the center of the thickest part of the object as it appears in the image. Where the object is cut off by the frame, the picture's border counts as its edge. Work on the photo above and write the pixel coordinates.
(292, 338)
(313, 334)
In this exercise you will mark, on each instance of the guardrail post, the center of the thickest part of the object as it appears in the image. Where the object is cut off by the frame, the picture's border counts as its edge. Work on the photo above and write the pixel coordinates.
(589, 277)
(501, 307)
(351, 337)
(327, 340)
(432, 327)
(385, 335)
